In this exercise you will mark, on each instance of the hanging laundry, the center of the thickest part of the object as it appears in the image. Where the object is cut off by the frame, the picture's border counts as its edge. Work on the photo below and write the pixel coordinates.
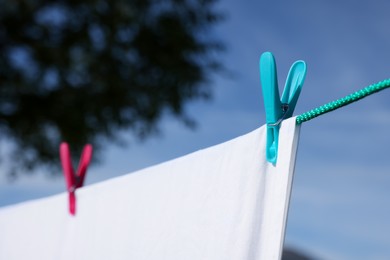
(224, 202)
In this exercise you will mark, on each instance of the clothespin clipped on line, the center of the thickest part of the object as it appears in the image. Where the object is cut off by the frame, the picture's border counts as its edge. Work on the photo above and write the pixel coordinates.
(277, 109)
(74, 181)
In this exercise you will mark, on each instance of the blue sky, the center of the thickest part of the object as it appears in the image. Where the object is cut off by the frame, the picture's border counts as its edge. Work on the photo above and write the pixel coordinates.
(339, 207)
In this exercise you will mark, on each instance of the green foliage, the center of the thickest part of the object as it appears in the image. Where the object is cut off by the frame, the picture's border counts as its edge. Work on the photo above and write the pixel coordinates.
(81, 71)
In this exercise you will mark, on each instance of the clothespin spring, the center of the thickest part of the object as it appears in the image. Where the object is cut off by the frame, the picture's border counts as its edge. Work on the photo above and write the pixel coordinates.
(284, 116)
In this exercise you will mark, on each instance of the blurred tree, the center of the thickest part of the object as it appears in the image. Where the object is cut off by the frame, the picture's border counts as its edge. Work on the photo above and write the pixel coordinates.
(82, 70)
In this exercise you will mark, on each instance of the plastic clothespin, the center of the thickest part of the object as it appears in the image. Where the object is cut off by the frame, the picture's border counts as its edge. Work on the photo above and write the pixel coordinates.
(74, 181)
(277, 109)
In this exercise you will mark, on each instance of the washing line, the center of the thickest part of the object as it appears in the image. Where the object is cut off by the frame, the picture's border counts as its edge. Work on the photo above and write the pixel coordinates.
(343, 101)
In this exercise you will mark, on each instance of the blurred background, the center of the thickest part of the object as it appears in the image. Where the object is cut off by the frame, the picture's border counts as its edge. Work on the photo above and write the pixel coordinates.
(149, 81)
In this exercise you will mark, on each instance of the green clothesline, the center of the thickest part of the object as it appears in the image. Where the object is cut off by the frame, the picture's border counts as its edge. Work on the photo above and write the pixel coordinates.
(343, 101)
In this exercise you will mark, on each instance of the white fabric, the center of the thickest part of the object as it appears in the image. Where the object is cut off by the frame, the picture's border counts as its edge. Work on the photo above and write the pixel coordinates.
(224, 202)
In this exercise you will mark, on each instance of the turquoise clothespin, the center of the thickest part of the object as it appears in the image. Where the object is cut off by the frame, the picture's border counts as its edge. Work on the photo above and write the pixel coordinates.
(276, 109)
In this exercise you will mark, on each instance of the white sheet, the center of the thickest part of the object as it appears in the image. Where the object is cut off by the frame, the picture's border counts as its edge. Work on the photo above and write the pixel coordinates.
(224, 202)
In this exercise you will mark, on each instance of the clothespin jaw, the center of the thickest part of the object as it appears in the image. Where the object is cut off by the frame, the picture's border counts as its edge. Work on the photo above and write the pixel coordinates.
(277, 109)
(74, 181)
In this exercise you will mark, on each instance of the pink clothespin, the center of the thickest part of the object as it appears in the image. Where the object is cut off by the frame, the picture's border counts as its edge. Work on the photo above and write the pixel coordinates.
(74, 181)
